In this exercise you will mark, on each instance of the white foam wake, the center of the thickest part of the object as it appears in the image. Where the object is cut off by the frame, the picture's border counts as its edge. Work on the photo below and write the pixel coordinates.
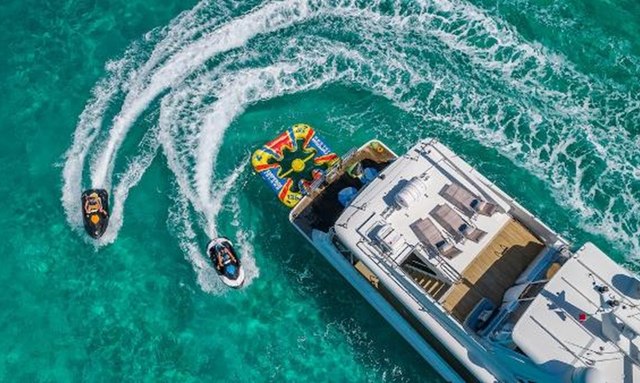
(178, 67)
(148, 147)
(89, 126)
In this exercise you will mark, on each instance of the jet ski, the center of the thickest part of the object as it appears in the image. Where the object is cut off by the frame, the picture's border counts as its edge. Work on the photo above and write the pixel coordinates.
(95, 211)
(227, 264)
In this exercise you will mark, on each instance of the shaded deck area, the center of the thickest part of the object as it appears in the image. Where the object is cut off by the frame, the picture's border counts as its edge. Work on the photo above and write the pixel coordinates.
(321, 208)
(494, 270)
(432, 286)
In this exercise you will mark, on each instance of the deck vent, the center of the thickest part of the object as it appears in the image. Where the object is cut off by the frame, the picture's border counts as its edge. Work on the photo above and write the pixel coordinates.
(411, 192)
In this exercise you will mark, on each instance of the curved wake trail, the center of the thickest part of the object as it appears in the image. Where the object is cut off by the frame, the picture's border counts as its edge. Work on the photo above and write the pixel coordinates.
(178, 67)
(252, 86)
(89, 126)
(192, 137)
(136, 168)
(465, 73)
(180, 221)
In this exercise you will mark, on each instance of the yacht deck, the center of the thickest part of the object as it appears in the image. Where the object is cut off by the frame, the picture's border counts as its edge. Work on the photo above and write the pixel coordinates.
(494, 270)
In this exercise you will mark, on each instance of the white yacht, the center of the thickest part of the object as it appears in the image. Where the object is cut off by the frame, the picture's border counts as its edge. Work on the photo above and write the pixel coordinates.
(479, 286)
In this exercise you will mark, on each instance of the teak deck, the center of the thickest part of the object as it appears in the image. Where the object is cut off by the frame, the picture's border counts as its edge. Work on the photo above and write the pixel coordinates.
(494, 270)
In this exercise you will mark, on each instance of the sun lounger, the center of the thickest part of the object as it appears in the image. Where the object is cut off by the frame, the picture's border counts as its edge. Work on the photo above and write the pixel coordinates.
(455, 225)
(429, 234)
(464, 200)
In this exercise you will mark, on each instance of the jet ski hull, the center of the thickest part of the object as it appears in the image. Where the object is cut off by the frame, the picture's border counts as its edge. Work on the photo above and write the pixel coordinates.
(231, 279)
(95, 224)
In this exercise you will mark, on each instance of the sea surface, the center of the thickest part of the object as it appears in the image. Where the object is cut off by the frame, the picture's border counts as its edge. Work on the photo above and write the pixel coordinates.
(162, 102)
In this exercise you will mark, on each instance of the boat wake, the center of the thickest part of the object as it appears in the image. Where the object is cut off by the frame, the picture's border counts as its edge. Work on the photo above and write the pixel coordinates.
(467, 74)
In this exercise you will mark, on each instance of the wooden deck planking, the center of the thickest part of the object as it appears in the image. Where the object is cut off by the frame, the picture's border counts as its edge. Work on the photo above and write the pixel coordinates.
(494, 270)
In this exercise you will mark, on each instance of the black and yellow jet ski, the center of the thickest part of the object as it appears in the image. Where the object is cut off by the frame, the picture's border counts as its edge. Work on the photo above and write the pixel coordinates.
(95, 211)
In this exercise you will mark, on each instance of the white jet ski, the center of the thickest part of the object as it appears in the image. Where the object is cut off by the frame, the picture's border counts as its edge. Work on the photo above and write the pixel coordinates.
(226, 262)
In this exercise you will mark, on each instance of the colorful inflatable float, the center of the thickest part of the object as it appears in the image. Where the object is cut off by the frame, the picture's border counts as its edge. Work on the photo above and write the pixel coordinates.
(291, 173)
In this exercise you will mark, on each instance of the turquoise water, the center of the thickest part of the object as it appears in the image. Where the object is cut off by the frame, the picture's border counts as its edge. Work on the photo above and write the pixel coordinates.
(162, 105)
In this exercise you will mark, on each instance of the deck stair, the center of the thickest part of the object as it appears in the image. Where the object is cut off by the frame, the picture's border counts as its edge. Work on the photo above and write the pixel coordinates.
(432, 286)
